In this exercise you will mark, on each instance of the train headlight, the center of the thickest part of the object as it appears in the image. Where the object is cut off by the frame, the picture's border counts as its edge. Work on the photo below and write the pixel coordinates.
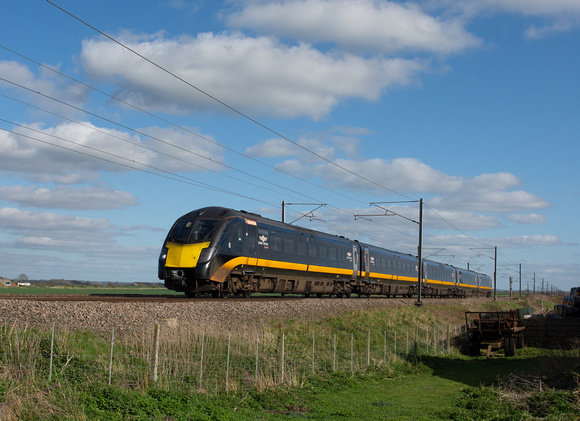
(163, 255)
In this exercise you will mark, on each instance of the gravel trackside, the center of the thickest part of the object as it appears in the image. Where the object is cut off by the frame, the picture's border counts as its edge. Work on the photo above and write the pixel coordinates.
(219, 314)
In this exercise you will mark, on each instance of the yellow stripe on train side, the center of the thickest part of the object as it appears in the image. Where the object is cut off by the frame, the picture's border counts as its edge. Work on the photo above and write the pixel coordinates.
(334, 271)
(276, 264)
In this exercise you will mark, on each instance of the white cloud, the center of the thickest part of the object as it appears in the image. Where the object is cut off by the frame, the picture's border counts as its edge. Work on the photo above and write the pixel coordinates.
(522, 241)
(401, 174)
(528, 218)
(50, 158)
(462, 220)
(41, 228)
(70, 236)
(39, 87)
(361, 26)
(495, 192)
(254, 75)
(272, 148)
(327, 144)
(492, 201)
(529, 241)
(67, 197)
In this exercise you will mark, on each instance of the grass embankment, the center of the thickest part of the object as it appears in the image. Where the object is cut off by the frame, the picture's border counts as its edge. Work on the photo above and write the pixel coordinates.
(536, 384)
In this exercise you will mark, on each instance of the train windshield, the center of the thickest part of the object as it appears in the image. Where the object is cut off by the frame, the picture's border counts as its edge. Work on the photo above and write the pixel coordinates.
(193, 231)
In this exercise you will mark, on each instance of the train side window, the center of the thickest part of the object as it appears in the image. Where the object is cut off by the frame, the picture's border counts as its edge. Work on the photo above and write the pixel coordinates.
(301, 247)
(323, 252)
(289, 246)
(313, 250)
(276, 243)
(332, 253)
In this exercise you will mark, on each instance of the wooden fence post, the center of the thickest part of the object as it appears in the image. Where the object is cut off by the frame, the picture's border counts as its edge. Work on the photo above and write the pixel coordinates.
(201, 361)
(111, 360)
(368, 347)
(282, 358)
(155, 353)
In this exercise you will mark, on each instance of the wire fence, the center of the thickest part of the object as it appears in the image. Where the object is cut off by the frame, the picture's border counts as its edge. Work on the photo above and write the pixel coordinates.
(214, 362)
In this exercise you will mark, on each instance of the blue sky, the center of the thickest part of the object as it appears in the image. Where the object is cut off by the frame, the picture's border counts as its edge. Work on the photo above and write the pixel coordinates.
(473, 106)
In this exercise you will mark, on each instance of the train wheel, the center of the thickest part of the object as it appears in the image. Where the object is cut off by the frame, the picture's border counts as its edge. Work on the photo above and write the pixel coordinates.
(307, 295)
(319, 295)
(247, 294)
(225, 293)
(215, 294)
(190, 294)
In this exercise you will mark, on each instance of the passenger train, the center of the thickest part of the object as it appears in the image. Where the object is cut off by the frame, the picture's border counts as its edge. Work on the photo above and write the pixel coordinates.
(223, 252)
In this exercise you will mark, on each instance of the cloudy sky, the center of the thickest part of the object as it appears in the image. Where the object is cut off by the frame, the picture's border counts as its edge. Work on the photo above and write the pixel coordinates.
(118, 117)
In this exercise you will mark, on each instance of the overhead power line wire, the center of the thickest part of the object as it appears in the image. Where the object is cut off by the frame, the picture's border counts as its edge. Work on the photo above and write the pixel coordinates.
(457, 229)
(157, 171)
(151, 149)
(182, 128)
(36, 92)
(336, 209)
(231, 108)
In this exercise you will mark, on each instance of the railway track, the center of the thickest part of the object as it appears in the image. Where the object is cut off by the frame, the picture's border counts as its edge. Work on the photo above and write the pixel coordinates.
(136, 298)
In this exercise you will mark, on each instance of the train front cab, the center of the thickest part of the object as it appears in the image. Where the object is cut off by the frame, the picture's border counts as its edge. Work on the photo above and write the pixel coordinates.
(202, 247)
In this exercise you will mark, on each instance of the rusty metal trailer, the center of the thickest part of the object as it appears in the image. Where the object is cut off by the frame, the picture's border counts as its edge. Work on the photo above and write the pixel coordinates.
(493, 330)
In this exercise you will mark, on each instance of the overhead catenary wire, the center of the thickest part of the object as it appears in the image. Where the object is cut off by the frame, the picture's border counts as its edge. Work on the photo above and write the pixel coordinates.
(231, 108)
(336, 209)
(158, 171)
(180, 127)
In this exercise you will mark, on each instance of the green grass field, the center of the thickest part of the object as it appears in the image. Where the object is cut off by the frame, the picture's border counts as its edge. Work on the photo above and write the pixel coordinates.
(87, 290)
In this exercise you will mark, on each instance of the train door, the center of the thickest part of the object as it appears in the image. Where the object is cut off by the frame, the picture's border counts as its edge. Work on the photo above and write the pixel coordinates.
(355, 262)
(251, 242)
(366, 268)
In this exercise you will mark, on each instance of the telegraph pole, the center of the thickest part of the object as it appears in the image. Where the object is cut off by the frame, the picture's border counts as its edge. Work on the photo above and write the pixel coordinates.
(419, 248)
(419, 257)
(520, 280)
(495, 276)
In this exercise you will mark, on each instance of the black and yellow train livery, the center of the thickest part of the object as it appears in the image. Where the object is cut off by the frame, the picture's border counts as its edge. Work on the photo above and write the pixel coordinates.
(222, 252)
